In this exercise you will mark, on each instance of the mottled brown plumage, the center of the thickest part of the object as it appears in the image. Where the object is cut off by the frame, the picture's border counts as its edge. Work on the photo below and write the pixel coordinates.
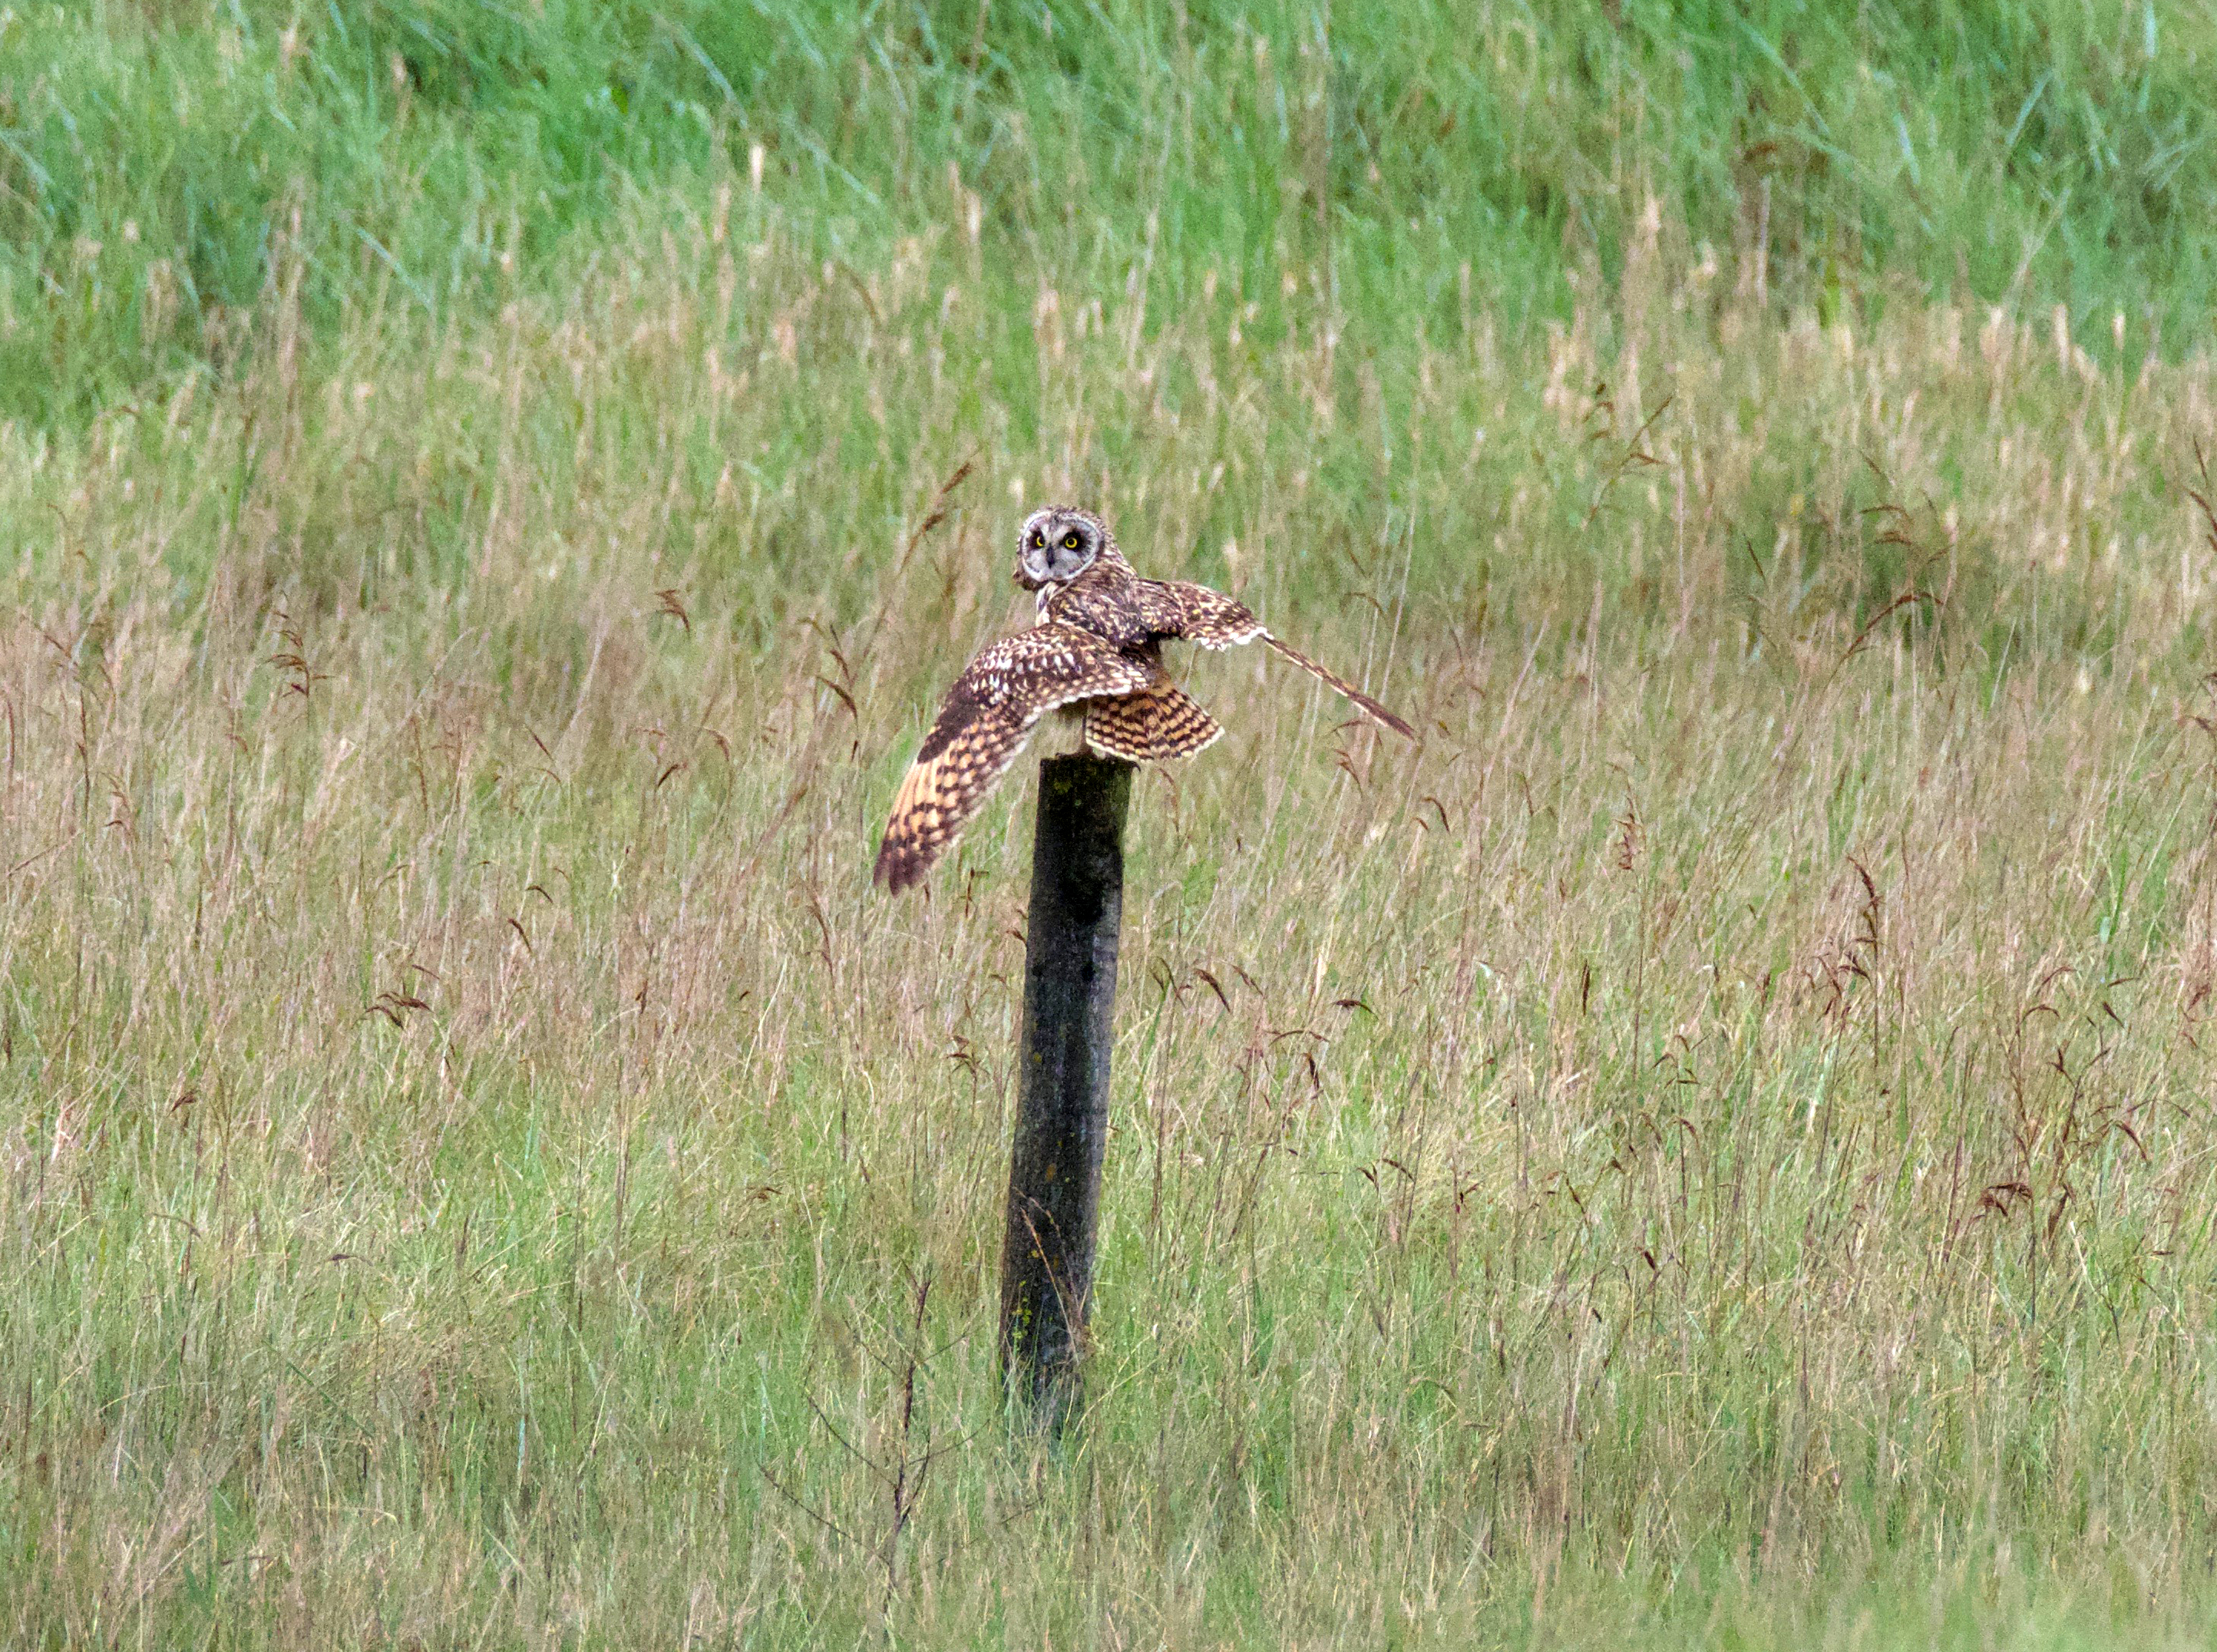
(982, 724)
(1163, 722)
(1108, 598)
(1097, 644)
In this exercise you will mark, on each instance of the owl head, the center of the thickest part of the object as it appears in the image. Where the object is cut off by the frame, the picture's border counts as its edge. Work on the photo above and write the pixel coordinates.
(1059, 544)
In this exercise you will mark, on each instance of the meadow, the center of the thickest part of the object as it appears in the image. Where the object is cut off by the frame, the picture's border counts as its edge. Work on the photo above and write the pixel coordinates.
(1711, 1147)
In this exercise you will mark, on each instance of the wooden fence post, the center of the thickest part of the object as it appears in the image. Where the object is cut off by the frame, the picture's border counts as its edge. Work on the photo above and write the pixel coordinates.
(1062, 1085)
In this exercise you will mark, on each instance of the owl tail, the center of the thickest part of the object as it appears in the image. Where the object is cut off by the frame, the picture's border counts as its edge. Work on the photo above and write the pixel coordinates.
(1342, 686)
(1166, 722)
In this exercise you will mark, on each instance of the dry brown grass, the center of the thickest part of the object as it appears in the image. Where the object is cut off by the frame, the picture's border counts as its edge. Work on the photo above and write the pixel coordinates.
(1716, 1141)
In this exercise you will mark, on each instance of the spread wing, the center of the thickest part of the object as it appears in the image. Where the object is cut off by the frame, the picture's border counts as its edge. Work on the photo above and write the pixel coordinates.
(1164, 723)
(981, 726)
(1195, 613)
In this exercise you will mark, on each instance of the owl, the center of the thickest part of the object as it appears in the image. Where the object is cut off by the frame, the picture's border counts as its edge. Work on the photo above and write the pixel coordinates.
(1094, 656)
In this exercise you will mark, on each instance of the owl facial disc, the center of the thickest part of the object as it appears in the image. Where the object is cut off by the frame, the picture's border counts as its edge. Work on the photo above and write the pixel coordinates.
(1056, 545)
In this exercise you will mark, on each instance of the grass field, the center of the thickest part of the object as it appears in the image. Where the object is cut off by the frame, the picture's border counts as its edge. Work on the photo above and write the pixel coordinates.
(1714, 1146)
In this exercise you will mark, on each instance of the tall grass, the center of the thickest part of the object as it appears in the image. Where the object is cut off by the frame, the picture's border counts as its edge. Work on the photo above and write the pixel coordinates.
(1713, 1145)
(419, 155)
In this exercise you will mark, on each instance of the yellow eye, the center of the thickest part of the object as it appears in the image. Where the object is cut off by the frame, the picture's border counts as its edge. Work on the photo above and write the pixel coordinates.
(1070, 542)
(1038, 539)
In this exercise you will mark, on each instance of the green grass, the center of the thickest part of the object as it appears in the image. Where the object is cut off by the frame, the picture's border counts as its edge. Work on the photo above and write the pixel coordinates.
(1713, 1147)
(159, 159)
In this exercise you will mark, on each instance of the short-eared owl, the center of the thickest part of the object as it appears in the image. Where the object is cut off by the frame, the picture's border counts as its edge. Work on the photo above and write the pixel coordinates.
(1097, 649)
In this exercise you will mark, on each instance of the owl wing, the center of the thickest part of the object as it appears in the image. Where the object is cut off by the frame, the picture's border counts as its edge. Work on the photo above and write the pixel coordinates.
(982, 725)
(1195, 613)
(1163, 722)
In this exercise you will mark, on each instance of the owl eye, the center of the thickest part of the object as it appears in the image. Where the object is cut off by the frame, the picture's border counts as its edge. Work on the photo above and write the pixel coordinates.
(1038, 540)
(1070, 542)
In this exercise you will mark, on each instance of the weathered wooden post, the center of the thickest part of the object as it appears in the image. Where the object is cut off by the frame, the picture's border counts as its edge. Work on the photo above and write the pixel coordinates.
(1062, 1084)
